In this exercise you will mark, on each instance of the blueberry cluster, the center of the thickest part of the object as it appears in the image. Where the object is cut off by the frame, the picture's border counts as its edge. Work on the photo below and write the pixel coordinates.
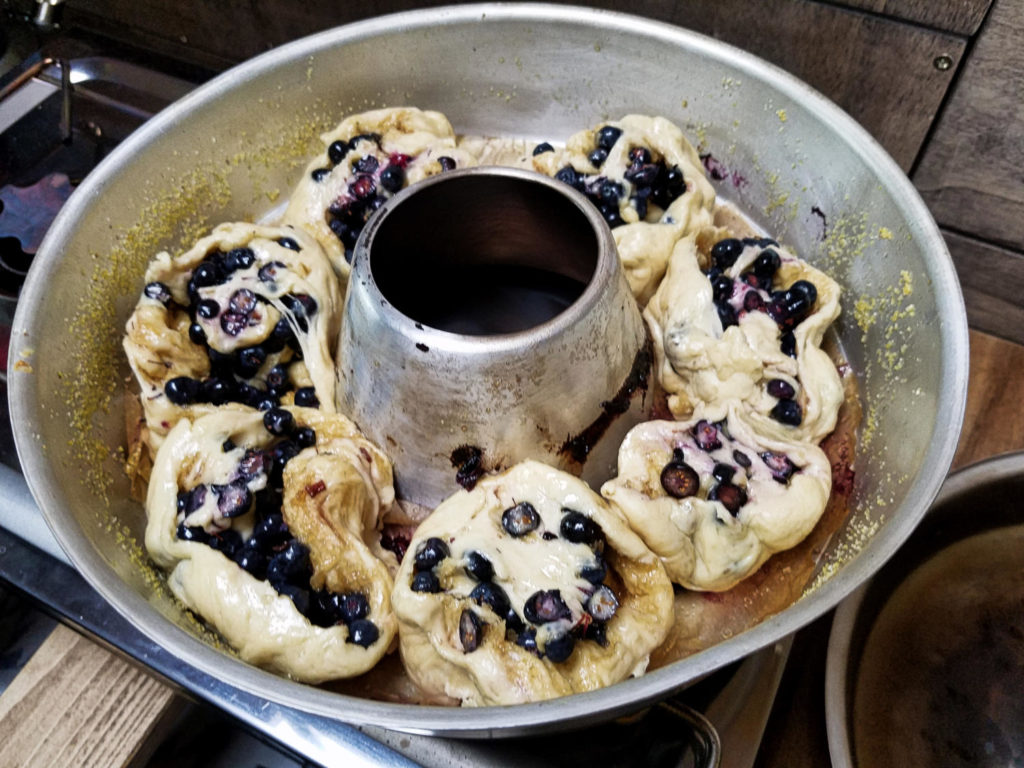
(376, 176)
(680, 480)
(270, 552)
(545, 607)
(650, 180)
(232, 375)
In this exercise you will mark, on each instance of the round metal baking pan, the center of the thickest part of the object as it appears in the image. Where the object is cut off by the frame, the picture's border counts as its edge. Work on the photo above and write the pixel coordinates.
(926, 660)
(235, 147)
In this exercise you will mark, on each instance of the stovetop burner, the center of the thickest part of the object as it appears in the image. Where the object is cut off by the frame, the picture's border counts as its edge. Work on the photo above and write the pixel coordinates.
(62, 110)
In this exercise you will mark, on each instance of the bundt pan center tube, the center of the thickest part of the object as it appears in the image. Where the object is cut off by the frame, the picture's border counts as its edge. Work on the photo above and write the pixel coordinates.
(232, 151)
(509, 334)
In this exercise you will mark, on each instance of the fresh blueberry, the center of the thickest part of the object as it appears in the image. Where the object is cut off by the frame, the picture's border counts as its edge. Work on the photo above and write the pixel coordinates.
(233, 323)
(705, 434)
(732, 497)
(352, 606)
(787, 344)
(596, 572)
(679, 479)
(611, 215)
(221, 363)
(392, 178)
(277, 379)
(425, 581)
(279, 422)
(597, 157)
(479, 567)
(741, 458)
(471, 630)
(602, 604)
(781, 389)
(726, 314)
(430, 553)
(239, 258)
(268, 273)
(607, 136)
(227, 541)
(217, 390)
(252, 463)
(559, 647)
(767, 263)
(297, 594)
(337, 150)
(242, 302)
(290, 243)
(250, 360)
(253, 560)
(780, 466)
(366, 164)
(578, 528)
(270, 532)
(183, 390)
(610, 192)
(158, 292)
(319, 174)
(193, 533)
(234, 499)
(752, 302)
(363, 632)
(305, 437)
(490, 594)
(228, 445)
(446, 163)
(544, 606)
(196, 334)
(722, 287)
(597, 632)
(206, 274)
(363, 187)
(725, 252)
(290, 565)
(281, 454)
(306, 397)
(541, 148)
(527, 639)
(568, 175)
(643, 175)
(723, 473)
(788, 412)
(520, 519)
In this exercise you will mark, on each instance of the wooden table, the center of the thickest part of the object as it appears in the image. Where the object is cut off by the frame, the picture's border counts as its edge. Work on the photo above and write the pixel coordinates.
(75, 703)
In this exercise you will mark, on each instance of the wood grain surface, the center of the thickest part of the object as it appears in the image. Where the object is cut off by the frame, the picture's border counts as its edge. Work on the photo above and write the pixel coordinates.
(992, 279)
(970, 172)
(880, 71)
(76, 704)
(962, 17)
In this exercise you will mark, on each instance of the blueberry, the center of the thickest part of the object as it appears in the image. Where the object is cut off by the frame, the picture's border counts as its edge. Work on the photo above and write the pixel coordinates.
(559, 647)
(611, 215)
(725, 252)
(732, 497)
(805, 288)
(568, 175)
(290, 243)
(490, 594)
(446, 163)
(471, 630)
(337, 150)
(781, 389)
(639, 156)
(788, 412)
(193, 533)
(228, 445)
(780, 466)
(787, 343)
(363, 632)
(362, 188)
(425, 581)
(603, 604)
(196, 334)
(541, 148)
(281, 454)
(741, 458)
(643, 175)
(277, 379)
(640, 203)
(597, 157)
(705, 434)
(520, 519)
(479, 567)
(228, 541)
(297, 594)
(726, 314)
(268, 272)
(578, 528)
(766, 264)
(268, 504)
(392, 178)
(281, 336)
(607, 136)
(221, 364)
(270, 532)
(252, 463)
(182, 390)
(306, 397)
(722, 287)
(610, 192)
(374, 137)
(366, 164)
(319, 174)
(305, 437)
(752, 302)
(323, 609)
(158, 292)
(242, 302)
(430, 553)
(300, 304)
(513, 623)
(206, 274)
(679, 479)
(279, 422)
(290, 565)
(239, 258)
(527, 639)
(544, 606)
(234, 499)
(596, 572)
(217, 390)
(352, 606)
(253, 560)
(191, 500)
(250, 360)
(233, 323)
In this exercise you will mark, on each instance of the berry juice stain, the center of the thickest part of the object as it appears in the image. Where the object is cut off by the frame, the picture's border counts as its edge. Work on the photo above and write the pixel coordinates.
(489, 299)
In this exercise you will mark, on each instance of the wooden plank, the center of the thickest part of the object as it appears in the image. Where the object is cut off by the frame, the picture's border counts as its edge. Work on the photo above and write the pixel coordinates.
(880, 71)
(992, 279)
(970, 173)
(961, 17)
(74, 703)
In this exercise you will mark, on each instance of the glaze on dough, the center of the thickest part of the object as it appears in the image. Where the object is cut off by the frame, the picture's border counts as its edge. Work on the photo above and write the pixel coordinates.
(703, 545)
(339, 521)
(500, 671)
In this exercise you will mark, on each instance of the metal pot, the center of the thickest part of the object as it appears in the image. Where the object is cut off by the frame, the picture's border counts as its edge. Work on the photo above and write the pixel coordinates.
(229, 151)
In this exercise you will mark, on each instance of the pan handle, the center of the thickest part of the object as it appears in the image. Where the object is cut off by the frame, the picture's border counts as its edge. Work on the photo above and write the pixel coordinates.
(706, 747)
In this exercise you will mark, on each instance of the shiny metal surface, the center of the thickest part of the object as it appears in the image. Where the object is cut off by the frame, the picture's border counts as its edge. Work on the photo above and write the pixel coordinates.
(233, 147)
(477, 328)
(980, 498)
